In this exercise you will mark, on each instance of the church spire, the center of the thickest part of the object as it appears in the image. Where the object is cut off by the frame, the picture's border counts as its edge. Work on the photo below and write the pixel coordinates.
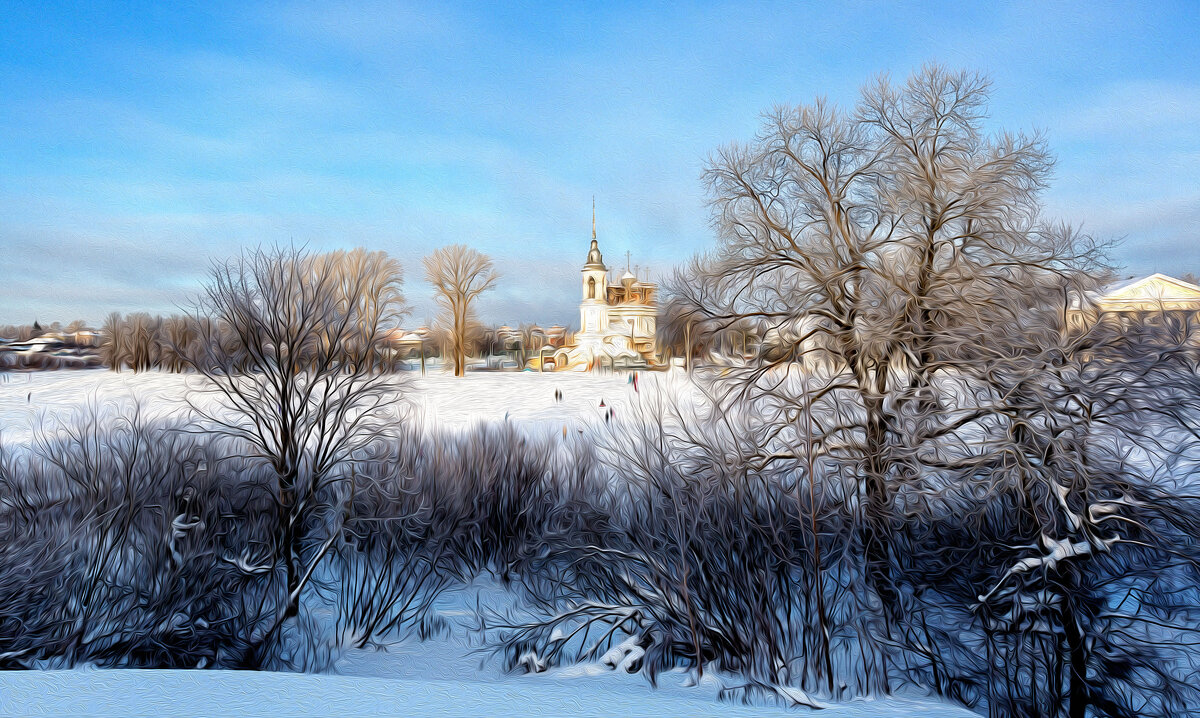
(594, 260)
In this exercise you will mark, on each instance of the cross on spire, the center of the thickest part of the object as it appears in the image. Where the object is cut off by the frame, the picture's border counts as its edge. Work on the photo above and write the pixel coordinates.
(593, 216)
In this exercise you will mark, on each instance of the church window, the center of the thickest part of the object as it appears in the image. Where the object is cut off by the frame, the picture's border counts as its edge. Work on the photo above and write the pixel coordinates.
(591, 287)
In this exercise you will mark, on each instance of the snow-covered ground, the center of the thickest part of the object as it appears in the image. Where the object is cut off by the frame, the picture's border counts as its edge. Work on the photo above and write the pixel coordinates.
(32, 399)
(446, 676)
(248, 693)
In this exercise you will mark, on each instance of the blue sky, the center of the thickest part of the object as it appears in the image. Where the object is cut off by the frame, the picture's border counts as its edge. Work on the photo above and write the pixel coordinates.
(139, 141)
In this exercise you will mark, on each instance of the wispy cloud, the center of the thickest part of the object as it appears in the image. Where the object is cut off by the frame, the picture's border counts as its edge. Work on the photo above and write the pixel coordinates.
(1130, 169)
(164, 140)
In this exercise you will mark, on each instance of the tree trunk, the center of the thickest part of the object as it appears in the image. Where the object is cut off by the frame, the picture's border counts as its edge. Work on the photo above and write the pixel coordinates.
(1077, 700)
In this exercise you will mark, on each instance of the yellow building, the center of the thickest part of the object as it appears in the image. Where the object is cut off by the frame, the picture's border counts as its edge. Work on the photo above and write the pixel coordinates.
(1139, 301)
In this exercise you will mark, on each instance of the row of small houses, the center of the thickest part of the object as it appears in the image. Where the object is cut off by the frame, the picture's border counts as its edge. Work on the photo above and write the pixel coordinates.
(81, 349)
(526, 346)
(505, 338)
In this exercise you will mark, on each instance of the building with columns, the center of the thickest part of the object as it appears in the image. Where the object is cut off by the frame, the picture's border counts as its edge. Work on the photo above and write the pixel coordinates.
(1154, 300)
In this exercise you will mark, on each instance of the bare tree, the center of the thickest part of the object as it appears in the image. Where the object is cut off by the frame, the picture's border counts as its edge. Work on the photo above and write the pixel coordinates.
(876, 252)
(293, 353)
(177, 334)
(143, 331)
(114, 347)
(459, 275)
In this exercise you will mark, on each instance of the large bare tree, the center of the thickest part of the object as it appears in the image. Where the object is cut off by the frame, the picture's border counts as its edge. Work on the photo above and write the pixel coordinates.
(291, 343)
(914, 308)
(883, 255)
(459, 274)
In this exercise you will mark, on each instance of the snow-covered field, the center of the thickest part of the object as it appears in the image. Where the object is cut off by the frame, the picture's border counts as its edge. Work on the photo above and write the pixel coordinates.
(446, 676)
(32, 399)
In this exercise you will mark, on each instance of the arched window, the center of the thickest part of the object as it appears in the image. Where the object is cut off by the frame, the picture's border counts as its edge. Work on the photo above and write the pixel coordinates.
(591, 287)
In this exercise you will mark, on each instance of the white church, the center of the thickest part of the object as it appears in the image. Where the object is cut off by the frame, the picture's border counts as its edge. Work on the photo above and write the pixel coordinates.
(617, 321)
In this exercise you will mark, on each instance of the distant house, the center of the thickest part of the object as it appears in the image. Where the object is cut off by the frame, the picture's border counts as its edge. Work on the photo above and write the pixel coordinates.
(41, 343)
(506, 333)
(531, 338)
(404, 338)
(85, 338)
(556, 336)
(1147, 300)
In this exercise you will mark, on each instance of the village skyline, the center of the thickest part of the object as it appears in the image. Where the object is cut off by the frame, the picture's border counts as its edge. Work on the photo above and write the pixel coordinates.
(138, 145)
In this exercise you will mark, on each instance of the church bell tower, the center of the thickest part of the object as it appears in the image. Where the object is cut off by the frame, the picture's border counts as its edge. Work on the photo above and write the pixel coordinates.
(593, 310)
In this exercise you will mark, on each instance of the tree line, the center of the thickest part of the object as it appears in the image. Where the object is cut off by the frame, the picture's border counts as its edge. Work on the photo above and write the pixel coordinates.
(459, 274)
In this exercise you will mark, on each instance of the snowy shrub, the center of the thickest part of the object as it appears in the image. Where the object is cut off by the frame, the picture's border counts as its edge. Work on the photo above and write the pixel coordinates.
(679, 551)
(131, 542)
(123, 543)
(473, 500)
(429, 510)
